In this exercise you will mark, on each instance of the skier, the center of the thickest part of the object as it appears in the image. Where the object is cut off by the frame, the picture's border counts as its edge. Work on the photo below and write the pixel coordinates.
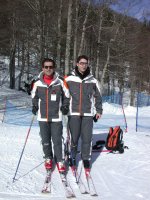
(50, 99)
(85, 103)
(29, 86)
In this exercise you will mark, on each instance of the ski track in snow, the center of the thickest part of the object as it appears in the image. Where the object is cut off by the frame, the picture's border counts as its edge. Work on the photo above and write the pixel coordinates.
(116, 176)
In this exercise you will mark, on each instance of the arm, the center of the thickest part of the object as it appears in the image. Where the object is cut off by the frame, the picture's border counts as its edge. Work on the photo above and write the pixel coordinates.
(35, 99)
(98, 101)
(65, 98)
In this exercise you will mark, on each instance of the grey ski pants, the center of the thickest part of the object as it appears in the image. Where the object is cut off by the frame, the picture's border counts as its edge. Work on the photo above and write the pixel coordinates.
(51, 131)
(81, 127)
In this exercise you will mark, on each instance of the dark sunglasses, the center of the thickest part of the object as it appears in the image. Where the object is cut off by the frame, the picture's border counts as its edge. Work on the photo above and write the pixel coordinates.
(50, 67)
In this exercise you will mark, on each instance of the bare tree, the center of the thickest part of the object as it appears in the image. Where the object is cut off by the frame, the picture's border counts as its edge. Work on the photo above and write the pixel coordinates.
(99, 43)
(39, 8)
(22, 65)
(75, 31)
(68, 38)
(12, 52)
(108, 38)
(59, 35)
(113, 38)
(84, 28)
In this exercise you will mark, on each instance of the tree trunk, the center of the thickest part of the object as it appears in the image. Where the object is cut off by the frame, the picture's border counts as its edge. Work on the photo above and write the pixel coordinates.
(28, 59)
(105, 68)
(12, 54)
(108, 93)
(98, 46)
(12, 67)
(42, 28)
(59, 35)
(22, 66)
(68, 40)
(75, 33)
(132, 95)
(84, 28)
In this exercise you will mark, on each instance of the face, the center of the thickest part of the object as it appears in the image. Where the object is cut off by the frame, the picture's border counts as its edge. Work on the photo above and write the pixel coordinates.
(82, 65)
(48, 68)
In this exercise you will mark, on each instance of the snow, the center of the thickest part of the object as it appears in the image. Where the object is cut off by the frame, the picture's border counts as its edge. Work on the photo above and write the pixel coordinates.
(116, 176)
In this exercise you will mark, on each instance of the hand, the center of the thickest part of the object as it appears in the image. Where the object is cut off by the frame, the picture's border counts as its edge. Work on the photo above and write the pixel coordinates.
(34, 110)
(96, 117)
(64, 110)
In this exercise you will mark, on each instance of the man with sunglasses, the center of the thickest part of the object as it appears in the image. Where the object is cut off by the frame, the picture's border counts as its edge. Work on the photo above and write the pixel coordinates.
(85, 105)
(50, 99)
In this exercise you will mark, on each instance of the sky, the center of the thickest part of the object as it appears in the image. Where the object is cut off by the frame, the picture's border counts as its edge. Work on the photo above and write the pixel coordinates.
(134, 8)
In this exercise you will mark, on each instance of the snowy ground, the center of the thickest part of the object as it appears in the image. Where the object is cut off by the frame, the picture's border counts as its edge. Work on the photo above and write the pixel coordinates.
(116, 176)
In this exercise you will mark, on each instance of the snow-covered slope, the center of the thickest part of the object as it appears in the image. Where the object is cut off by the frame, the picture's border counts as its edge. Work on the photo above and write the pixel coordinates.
(116, 176)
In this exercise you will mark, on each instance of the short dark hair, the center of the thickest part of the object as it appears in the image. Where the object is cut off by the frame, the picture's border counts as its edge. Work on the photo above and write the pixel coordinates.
(48, 60)
(82, 57)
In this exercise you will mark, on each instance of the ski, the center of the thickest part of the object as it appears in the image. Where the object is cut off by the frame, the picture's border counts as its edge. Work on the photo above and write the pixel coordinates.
(47, 183)
(98, 151)
(101, 151)
(68, 190)
(90, 184)
(79, 181)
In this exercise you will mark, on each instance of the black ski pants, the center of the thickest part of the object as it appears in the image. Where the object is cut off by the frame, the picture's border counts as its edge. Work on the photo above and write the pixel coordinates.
(51, 132)
(81, 126)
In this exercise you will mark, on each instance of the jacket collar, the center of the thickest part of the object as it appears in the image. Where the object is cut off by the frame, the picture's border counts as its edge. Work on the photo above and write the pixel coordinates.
(87, 74)
(55, 77)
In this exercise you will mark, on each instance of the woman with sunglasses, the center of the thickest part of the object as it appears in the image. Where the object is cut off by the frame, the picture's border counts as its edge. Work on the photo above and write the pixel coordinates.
(50, 99)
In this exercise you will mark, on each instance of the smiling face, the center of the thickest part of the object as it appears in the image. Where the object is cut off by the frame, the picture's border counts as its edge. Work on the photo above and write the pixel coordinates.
(48, 68)
(82, 65)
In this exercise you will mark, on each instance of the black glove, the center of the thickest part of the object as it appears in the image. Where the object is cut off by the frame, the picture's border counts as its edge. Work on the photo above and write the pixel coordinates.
(94, 118)
(34, 110)
(64, 110)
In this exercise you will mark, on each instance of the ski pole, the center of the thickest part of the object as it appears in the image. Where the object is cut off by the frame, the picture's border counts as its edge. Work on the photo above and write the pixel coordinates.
(29, 171)
(121, 102)
(23, 149)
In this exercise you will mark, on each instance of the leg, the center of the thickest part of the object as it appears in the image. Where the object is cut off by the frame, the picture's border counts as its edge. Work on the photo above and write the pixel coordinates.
(74, 126)
(56, 131)
(86, 137)
(45, 134)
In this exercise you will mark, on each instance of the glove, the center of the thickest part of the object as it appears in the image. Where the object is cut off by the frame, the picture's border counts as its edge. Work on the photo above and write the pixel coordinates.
(64, 110)
(94, 118)
(34, 110)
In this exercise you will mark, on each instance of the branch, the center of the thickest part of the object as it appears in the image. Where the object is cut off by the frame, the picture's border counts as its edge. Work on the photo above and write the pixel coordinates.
(31, 6)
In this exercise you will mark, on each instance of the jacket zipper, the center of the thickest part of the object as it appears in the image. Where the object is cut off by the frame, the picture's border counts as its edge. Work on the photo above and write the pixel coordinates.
(47, 104)
(80, 101)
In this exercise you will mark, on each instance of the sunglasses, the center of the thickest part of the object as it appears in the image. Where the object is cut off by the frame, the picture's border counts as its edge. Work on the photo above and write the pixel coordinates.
(50, 67)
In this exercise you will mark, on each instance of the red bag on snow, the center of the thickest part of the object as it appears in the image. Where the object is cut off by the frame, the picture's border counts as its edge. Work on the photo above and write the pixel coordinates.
(114, 140)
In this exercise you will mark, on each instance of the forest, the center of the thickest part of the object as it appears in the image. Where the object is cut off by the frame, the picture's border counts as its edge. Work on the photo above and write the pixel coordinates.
(118, 45)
